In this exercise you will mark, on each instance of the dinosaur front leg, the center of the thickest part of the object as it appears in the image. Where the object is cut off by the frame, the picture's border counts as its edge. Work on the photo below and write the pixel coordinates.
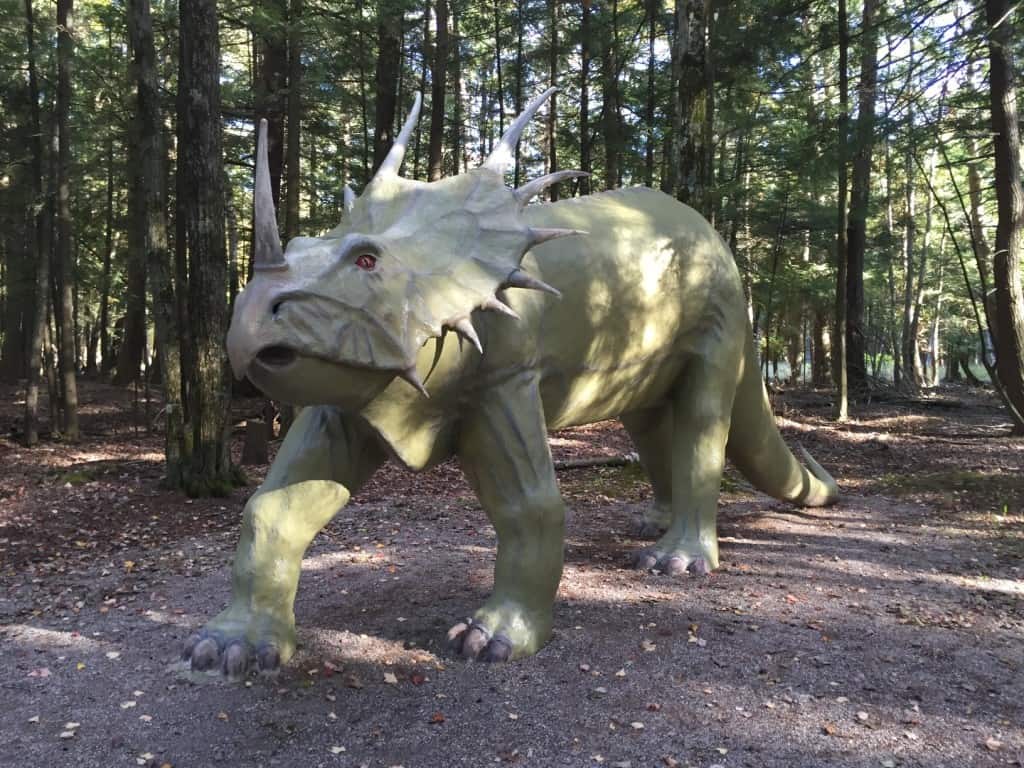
(323, 460)
(701, 409)
(504, 452)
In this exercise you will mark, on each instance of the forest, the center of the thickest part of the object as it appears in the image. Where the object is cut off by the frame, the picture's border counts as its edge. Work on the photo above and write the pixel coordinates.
(862, 161)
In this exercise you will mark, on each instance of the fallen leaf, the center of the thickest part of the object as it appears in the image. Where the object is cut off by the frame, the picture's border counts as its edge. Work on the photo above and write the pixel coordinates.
(80, 666)
(34, 719)
(113, 655)
(862, 716)
(352, 680)
(513, 716)
(337, 750)
(621, 673)
(390, 679)
(828, 729)
(127, 704)
(992, 744)
(436, 718)
(636, 725)
(67, 734)
(653, 707)
(223, 716)
(40, 672)
(71, 726)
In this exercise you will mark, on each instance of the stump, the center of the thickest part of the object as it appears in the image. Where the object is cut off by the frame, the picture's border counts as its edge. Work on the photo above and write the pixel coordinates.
(257, 437)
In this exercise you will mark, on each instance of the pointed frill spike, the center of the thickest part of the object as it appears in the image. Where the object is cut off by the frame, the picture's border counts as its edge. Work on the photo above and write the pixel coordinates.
(349, 198)
(501, 307)
(410, 375)
(531, 189)
(464, 327)
(504, 154)
(393, 162)
(540, 235)
(521, 279)
(267, 252)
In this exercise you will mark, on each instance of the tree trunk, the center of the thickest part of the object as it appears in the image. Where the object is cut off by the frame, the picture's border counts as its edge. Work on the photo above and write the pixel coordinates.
(133, 340)
(689, 165)
(292, 161)
(840, 372)
(458, 139)
(819, 365)
(1009, 250)
(860, 192)
(652, 15)
(271, 86)
(518, 90)
(497, 67)
(552, 117)
(41, 241)
(389, 60)
(199, 145)
(438, 78)
(610, 116)
(152, 162)
(69, 383)
(585, 33)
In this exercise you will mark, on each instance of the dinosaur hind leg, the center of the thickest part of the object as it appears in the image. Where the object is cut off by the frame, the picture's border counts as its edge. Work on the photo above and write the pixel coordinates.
(701, 409)
(651, 432)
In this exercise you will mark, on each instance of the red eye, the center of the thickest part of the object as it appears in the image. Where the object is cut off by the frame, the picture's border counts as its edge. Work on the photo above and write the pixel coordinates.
(366, 261)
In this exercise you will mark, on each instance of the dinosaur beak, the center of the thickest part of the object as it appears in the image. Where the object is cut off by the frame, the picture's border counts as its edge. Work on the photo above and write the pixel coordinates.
(249, 321)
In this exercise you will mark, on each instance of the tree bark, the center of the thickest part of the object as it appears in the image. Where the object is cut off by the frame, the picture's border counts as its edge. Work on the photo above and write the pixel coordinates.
(133, 339)
(272, 85)
(69, 383)
(293, 158)
(1009, 244)
(840, 372)
(152, 161)
(458, 139)
(690, 162)
(389, 59)
(209, 471)
(610, 115)
(860, 192)
(438, 89)
(585, 58)
(41, 241)
(552, 117)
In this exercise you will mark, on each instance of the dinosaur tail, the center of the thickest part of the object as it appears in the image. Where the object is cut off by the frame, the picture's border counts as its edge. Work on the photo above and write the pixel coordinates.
(758, 451)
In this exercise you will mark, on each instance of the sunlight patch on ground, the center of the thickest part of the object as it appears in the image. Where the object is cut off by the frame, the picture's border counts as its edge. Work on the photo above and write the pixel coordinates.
(51, 639)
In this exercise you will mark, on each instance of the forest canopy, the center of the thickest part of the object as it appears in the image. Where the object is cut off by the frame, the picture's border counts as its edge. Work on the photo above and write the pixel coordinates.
(862, 162)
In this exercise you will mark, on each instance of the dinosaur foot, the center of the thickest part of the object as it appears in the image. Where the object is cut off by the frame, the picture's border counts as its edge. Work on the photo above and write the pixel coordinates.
(235, 644)
(499, 634)
(472, 640)
(675, 561)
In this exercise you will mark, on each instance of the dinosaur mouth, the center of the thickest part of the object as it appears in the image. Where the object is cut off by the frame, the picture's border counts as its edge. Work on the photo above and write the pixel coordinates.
(276, 356)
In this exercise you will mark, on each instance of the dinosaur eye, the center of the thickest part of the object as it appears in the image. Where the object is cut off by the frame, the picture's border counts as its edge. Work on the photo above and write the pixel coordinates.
(366, 261)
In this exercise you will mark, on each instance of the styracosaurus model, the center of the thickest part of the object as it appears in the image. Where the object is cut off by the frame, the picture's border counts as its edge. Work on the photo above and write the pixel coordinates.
(452, 318)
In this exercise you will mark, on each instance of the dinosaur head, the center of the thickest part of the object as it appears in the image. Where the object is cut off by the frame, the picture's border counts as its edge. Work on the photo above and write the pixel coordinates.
(334, 319)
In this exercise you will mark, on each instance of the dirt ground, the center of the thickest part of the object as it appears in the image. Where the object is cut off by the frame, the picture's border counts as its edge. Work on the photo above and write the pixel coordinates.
(887, 631)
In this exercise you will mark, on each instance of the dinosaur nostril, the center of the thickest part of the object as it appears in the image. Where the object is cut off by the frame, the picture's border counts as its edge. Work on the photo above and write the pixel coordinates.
(276, 308)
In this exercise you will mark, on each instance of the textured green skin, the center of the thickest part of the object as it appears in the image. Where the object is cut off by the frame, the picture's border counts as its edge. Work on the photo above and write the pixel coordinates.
(651, 328)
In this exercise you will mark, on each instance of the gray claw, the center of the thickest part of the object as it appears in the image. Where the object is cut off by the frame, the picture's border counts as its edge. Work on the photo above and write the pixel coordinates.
(204, 655)
(674, 566)
(268, 658)
(235, 661)
(475, 640)
(645, 559)
(456, 635)
(190, 645)
(499, 649)
(699, 567)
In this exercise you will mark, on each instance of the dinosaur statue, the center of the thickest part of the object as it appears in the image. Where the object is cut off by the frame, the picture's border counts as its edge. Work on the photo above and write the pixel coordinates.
(453, 319)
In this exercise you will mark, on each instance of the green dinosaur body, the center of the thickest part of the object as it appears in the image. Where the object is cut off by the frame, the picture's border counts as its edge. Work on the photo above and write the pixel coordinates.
(650, 328)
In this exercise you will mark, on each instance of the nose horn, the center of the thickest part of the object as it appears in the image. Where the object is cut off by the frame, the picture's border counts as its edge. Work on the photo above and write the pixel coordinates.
(267, 252)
